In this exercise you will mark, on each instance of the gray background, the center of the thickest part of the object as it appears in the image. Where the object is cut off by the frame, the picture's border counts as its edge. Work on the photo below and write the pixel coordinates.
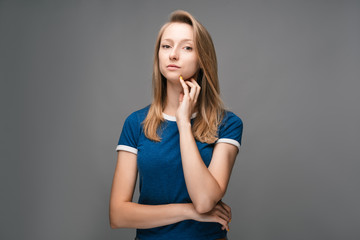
(71, 71)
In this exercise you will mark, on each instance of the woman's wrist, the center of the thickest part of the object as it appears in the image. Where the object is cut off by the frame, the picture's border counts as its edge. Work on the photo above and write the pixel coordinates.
(183, 124)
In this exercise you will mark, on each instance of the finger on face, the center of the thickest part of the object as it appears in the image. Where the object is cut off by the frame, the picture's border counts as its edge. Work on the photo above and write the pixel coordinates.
(190, 84)
(194, 82)
(198, 88)
(193, 89)
(184, 85)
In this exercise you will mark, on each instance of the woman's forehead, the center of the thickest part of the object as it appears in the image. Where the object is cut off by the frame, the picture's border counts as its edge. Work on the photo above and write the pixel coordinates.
(178, 31)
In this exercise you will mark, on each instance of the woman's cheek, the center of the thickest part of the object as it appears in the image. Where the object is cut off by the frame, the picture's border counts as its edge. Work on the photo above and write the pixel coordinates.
(191, 70)
(163, 70)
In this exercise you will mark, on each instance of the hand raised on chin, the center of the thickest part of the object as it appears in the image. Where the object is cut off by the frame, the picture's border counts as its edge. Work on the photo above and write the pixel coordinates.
(187, 100)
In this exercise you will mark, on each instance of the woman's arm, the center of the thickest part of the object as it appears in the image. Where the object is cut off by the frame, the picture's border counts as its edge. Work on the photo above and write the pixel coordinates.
(126, 214)
(206, 186)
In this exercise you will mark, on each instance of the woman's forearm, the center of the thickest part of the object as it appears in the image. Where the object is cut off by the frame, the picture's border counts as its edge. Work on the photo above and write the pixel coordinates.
(134, 215)
(203, 188)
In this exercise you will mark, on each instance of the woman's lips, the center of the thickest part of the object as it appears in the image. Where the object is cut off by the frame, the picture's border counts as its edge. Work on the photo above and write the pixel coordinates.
(173, 67)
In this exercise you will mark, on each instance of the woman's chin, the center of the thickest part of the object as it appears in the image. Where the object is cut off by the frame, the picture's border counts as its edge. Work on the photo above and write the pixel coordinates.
(173, 79)
(175, 76)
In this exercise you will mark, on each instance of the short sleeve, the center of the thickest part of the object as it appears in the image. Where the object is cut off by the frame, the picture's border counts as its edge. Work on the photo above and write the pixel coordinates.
(230, 130)
(129, 136)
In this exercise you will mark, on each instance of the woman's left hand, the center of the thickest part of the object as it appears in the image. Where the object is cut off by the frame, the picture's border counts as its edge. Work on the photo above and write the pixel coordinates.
(187, 100)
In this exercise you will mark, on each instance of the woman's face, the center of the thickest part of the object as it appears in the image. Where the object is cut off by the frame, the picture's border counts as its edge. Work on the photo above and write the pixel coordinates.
(177, 55)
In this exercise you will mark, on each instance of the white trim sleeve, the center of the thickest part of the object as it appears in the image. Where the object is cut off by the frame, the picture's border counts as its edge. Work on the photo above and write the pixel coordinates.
(229, 140)
(126, 148)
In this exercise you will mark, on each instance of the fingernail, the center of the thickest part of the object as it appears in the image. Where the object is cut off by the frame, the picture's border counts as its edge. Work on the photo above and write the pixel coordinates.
(181, 78)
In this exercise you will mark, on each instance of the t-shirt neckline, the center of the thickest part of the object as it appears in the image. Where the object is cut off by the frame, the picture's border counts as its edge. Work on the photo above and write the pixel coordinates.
(173, 118)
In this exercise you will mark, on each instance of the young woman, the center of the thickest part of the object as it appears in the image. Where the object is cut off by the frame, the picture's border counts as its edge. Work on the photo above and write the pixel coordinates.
(183, 144)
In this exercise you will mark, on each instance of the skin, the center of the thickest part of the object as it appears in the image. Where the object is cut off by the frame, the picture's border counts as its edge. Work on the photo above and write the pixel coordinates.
(177, 47)
(206, 186)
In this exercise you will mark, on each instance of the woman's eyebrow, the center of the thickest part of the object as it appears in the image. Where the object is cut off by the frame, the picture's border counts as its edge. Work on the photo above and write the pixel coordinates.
(183, 40)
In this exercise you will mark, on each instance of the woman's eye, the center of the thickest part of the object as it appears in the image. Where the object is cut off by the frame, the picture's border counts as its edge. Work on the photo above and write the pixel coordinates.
(165, 46)
(188, 48)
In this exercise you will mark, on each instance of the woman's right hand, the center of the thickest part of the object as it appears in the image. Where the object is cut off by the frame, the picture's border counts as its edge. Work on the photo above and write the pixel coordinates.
(221, 213)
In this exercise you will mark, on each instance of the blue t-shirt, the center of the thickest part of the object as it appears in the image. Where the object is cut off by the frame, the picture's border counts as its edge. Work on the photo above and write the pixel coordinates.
(161, 174)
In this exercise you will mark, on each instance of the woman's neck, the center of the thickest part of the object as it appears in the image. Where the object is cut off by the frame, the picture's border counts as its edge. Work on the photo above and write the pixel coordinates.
(173, 91)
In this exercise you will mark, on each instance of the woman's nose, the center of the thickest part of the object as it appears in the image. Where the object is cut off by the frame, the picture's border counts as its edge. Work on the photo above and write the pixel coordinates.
(174, 55)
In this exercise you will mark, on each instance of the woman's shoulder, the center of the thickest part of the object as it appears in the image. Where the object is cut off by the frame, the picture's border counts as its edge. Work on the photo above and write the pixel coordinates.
(231, 128)
(138, 115)
(231, 117)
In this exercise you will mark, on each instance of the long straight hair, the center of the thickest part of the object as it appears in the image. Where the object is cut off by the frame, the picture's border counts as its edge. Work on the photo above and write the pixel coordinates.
(209, 105)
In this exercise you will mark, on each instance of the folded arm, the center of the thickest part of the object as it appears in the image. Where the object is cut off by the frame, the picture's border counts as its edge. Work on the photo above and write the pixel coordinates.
(123, 213)
(206, 186)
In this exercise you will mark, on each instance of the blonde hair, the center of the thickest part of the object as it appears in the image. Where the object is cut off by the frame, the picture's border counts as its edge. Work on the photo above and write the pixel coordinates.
(209, 105)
